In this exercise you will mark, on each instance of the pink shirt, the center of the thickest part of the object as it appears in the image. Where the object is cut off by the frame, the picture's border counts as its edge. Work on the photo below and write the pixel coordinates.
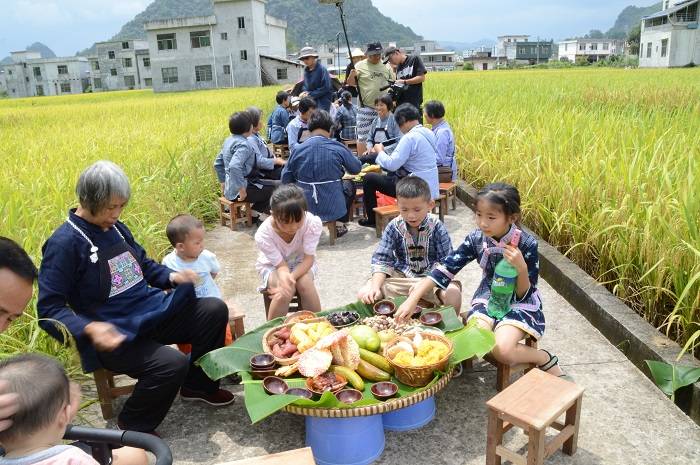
(56, 455)
(273, 249)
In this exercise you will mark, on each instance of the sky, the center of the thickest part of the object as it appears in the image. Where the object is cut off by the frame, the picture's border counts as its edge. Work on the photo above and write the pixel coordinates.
(67, 26)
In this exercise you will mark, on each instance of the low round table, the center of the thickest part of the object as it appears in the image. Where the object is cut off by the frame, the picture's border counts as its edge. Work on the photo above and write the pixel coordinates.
(355, 436)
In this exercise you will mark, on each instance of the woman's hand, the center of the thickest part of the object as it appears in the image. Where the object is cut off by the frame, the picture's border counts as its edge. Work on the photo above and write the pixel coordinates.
(104, 336)
(515, 258)
(184, 276)
(9, 404)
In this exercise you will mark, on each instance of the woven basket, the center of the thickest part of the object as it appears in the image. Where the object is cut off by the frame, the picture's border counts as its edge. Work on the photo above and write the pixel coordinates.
(269, 332)
(420, 376)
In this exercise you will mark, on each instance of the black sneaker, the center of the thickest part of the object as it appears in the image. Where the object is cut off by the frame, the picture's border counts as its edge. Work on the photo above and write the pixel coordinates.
(217, 398)
(367, 223)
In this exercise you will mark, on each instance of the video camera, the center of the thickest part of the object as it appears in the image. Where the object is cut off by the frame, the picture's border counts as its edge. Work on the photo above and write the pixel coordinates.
(394, 89)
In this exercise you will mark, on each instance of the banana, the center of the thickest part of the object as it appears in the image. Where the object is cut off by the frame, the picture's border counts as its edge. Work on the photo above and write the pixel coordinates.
(353, 378)
(372, 373)
(376, 360)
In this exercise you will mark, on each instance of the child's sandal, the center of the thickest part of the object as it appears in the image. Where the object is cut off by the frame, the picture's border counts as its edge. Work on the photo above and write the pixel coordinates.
(551, 363)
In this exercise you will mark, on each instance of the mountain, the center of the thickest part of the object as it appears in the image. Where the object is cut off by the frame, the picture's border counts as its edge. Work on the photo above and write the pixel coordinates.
(304, 18)
(45, 52)
(629, 18)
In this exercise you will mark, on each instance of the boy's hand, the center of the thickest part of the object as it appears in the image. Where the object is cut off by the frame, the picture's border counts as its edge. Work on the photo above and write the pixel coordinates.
(370, 294)
(404, 311)
(515, 258)
(9, 404)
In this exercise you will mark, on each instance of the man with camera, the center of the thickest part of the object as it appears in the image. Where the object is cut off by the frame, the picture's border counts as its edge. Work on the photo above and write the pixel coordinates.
(410, 74)
(370, 76)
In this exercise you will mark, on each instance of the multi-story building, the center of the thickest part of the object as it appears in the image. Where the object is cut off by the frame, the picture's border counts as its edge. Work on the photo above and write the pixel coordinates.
(506, 45)
(120, 65)
(482, 61)
(30, 75)
(239, 45)
(670, 38)
(590, 50)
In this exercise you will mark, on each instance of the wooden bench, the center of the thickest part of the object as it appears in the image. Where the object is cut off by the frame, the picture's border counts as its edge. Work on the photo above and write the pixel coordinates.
(534, 403)
(238, 212)
(449, 190)
(302, 456)
(383, 215)
(505, 372)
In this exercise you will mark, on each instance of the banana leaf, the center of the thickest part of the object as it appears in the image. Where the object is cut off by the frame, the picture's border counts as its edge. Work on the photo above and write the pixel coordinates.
(669, 378)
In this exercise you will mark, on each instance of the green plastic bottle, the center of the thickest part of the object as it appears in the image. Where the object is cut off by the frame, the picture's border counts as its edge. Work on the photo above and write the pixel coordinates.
(505, 277)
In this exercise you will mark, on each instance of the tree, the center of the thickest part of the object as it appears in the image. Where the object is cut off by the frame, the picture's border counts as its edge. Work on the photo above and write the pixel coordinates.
(595, 34)
(633, 39)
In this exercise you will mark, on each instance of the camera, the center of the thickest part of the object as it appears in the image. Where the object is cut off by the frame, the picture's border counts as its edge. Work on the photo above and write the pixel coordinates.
(394, 89)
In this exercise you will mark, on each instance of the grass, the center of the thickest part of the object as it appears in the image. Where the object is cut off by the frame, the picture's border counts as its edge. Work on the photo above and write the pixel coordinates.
(607, 162)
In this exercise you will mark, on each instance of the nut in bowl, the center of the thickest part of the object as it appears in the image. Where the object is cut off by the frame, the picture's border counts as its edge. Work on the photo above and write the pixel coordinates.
(384, 390)
(343, 319)
(431, 318)
(274, 385)
(348, 396)
(384, 307)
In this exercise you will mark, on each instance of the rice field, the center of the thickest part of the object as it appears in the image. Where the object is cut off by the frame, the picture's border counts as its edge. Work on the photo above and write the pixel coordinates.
(607, 161)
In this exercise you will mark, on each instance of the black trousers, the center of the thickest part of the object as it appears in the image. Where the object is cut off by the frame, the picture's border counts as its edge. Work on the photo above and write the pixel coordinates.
(373, 183)
(162, 370)
(259, 197)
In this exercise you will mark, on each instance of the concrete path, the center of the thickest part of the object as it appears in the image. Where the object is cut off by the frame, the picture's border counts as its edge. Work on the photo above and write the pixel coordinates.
(625, 419)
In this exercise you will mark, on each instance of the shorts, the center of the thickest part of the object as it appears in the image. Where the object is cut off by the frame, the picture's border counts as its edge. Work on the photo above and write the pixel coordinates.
(530, 321)
(399, 286)
(365, 117)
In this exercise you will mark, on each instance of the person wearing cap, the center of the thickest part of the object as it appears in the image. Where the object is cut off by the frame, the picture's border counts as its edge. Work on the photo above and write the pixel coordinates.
(370, 75)
(410, 74)
(317, 81)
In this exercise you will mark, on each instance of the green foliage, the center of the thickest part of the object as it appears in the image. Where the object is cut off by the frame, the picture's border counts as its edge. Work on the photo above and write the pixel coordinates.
(669, 378)
(468, 66)
(629, 18)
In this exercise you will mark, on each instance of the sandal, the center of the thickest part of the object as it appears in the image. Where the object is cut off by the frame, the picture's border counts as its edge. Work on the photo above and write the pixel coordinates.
(551, 363)
(341, 230)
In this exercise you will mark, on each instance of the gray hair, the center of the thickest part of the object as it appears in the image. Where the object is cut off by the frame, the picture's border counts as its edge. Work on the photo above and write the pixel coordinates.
(99, 184)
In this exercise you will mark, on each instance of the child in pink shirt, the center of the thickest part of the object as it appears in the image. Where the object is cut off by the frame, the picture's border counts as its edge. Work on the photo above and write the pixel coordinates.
(287, 241)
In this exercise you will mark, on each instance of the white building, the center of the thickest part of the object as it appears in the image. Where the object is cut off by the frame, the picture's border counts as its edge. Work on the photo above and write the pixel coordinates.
(120, 65)
(30, 75)
(506, 45)
(590, 49)
(230, 48)
(482, 61)
(670, 37)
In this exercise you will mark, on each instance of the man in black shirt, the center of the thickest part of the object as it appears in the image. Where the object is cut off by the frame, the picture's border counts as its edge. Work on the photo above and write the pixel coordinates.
(410, 72)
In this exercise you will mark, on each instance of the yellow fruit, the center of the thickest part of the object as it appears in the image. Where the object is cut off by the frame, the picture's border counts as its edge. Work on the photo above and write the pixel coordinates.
(376, 360)
(372, 373)
(403, 358)
(353, 378)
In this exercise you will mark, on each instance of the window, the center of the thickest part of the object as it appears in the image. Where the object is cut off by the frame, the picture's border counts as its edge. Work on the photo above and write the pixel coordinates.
(166, 42)
(169, 75)
(664, 47)
(148, 82)
(649, 50)
(244, 54)
(281, 73)
(125, 45)
(9, 72)
(126, 62)
(129, 81)
(329, 61)
(227, 69)
(582, 47)
(26, 79)
(37, 71)
(113, 71)
(422, 48)
(110, 55)
(594, 46)
(62, 69)
(146, 62)
(97, 83)
(65, 87)
(241, 22)
(96, 65)
(224, 36)
(606, 46)
(199, 39)
(202, 73)
(39, 90)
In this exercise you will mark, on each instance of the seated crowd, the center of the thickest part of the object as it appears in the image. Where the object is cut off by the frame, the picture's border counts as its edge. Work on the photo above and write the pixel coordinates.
(99, 284)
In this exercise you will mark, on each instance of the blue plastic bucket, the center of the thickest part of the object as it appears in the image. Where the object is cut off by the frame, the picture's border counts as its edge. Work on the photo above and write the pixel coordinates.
(412, 417)
(345, 441)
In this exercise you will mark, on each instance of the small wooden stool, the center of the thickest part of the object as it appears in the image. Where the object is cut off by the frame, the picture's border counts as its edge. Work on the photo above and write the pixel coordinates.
(449, 189)
(534, 403)
(291, 457)
(505, 372)
(332, 232)
(383, 215)
(358, 206)
(107, 391)
(441, 205)
(238, 212)
(237, 326)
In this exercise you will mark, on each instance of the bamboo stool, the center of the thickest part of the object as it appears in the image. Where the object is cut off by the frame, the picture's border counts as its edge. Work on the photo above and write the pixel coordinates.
(534, 403)
(238, 212)
(107, 391)
(383, 215)
(449, 189)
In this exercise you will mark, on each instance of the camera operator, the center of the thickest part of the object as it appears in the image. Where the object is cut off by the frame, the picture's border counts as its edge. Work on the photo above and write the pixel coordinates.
(370, 75)
(410, 73)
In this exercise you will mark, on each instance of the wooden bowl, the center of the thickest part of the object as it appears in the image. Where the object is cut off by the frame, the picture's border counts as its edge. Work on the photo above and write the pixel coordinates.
(431, 318)
(384, 390)
(262, 374)
(262, 361)
(384, 307)
(301, 392)
(348, 396)
(274, 385)
(342, 383)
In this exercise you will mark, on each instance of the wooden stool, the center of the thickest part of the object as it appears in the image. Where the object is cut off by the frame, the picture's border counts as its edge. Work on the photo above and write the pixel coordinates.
(505, 372)
(238, 212)
(534, 403)
(294, 305)
(280, 150)
(441, 206)
(351, 144)
(107, 391)
(383, 215)
(449, 189)
(237, 326)
(302, 456)
(358, 205)
(332, 232)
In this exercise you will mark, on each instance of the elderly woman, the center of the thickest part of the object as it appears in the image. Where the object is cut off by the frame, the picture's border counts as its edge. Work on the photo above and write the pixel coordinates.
(98, 282)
